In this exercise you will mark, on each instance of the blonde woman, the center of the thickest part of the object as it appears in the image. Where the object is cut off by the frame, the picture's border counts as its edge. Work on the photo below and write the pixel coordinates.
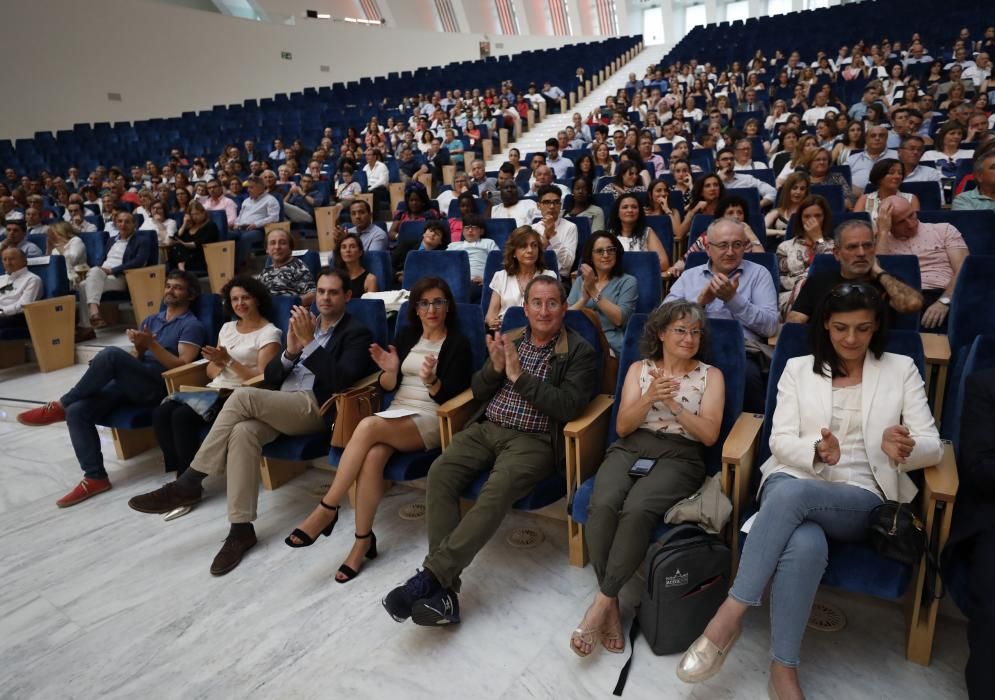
(62, 240)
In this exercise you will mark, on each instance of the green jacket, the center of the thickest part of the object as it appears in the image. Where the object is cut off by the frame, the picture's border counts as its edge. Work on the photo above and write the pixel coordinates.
(562, 397)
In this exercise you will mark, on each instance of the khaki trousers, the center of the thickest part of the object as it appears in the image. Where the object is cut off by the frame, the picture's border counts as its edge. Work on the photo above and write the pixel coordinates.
(250, 419)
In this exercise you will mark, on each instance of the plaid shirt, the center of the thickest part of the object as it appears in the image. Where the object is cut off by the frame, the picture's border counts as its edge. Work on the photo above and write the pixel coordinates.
(508, 408)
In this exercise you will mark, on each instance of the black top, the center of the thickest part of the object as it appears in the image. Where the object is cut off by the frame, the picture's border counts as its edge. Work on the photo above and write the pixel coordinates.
(358, 284)
(455, 366)
(194, 257)
(818, 286)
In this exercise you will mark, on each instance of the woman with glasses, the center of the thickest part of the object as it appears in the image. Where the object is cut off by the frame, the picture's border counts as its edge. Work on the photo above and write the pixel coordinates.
(429, 363)
(523, 260)
(670, 409)
(602, 286)
(850, 421)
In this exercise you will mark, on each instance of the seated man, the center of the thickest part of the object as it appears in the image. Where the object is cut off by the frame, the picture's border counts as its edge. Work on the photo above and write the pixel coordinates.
(300, 201)
(258, 209)
(17, 238)
(287, 275)
(372, 236)
(486, 186)
(558, 233)
(76, 216)
(166, 340)
(18, 287)
(876, 140)
(324, 355)
(523, 211)
(983, 196)
(128, 252)
(543, 177)
(215, 200)
(477, 249)
(535, 380)
(725, 168)
(560, 164)
(939, 247)
(855, 252)
(731, 287)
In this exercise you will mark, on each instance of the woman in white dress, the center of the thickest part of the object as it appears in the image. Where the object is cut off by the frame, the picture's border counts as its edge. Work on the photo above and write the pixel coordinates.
(522, 261)
(430, 363)
(62, 240)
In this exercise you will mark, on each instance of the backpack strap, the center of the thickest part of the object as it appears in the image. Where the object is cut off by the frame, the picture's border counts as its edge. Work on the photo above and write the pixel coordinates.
(623, 675)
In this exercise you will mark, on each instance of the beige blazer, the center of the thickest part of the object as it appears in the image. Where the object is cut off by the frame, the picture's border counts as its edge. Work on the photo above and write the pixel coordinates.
(893, 393)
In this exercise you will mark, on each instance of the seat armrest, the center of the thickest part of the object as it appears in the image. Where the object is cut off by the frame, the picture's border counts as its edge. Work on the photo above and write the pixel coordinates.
(738, 453)
(936, 347)
(258, 381)
(941, 481)
(453, 415)
(192, 374)
(584, 441)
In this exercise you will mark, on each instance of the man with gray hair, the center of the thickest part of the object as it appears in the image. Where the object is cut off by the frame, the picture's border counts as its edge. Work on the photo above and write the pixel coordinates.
(733, 288)
(17, 288)
(876, 142)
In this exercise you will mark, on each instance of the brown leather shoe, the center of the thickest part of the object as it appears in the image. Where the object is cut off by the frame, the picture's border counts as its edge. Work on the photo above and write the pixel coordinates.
(231, 553)
(167, 497)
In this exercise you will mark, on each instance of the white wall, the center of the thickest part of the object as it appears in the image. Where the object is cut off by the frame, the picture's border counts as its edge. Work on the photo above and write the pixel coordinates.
(66, 55)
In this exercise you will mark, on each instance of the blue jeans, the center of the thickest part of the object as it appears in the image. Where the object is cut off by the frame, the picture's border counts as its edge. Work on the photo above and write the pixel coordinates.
(246, 241)
(114, 377)
(788, 542)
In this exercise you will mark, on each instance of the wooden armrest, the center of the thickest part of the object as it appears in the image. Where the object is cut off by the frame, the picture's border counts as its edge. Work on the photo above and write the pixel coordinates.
(580, 425)
(936, 348)
(453, 415)
(941, 481)
(742, 438)
(738, 451)
(585, 441)
(192, 374)
(256, 381)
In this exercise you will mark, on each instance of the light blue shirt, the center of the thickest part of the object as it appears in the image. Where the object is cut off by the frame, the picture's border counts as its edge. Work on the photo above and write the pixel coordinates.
(373, 238)
(623, 291)
(861, 164)
(300, 377)
(754, 304)
(477, 252)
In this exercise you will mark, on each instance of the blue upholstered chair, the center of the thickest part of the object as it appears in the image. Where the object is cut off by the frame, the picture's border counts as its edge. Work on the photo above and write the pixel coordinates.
(904, 267)
(645, 267)
(855, 566)
(726, 352)
(451, 265)
(499, 230)
(406, 466)
(663, 227)
(976, 227)
(50, 319)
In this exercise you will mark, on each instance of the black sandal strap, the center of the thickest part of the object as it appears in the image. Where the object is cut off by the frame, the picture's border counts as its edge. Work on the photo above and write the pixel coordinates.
(326, 506)
(367, 536)
(302, 537)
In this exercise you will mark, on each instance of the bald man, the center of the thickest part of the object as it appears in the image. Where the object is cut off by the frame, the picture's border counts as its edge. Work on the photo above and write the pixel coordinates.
(17, 288)
(940, 249)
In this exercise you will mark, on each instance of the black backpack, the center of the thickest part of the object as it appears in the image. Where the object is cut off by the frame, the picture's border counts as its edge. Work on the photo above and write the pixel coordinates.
(687, 578)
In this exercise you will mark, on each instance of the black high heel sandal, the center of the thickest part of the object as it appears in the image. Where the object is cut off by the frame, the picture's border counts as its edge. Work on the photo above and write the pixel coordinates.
(305, 539)
(371, 553)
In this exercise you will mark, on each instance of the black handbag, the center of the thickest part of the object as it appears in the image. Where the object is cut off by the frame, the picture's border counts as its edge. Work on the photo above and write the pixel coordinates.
(897, 532)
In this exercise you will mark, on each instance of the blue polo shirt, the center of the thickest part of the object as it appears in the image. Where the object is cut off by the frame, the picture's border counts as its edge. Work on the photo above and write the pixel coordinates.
(185, 328)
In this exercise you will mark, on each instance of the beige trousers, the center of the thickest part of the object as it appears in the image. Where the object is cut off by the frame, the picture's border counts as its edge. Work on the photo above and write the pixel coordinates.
(250, 419)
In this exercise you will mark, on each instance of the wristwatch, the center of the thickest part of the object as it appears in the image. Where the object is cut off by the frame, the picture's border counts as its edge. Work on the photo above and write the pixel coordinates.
(944, 300)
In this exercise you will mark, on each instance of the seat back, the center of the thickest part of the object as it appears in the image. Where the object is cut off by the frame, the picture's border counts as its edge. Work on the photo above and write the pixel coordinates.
(976, 227)
(980, 356)
(451, 265)
(499, 230)
(645, 267)
(54, 282)
(281, 312)
(373, 314)
(96, 243)
(471, 323)
(207, 308)
(833, 194)
(663, 227)
(377, 262)
(928, 194)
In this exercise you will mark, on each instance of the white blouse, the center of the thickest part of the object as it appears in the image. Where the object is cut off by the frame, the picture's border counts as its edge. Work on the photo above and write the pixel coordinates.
(507, 289)
(244, 349)
(853, 468)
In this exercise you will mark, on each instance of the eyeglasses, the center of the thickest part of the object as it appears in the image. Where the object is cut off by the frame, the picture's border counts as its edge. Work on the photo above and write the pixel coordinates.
(725, 245)
(538, 305)
(605, 252)
(682, 332)
(550, 202)
(435, 304)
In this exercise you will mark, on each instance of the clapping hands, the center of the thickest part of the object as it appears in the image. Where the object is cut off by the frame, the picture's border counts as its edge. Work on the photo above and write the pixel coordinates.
(897, 443)
(387, 360)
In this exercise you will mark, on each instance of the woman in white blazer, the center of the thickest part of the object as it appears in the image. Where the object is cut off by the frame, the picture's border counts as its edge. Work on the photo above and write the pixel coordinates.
(850, 420)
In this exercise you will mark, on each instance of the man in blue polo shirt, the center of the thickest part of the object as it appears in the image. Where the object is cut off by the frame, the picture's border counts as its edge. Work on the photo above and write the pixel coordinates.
(169, 339)
(731, 287)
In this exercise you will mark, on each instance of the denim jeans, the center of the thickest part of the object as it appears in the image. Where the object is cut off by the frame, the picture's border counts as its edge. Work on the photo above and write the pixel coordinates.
(788, 542)
(114, 377)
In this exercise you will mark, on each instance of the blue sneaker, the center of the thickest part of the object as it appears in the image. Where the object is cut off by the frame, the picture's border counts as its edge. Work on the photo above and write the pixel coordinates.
(398, 602)
(439, 609)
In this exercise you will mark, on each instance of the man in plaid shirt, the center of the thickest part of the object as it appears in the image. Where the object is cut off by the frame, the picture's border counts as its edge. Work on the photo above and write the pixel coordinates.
(535, 380)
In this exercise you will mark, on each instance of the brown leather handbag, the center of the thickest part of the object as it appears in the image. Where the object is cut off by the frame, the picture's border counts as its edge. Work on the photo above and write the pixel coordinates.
(351, 406)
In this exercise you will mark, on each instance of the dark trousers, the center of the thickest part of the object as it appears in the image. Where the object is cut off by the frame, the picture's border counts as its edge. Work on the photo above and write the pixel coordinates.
(520, 461)
(755, 394)
(247, 240)
(624, 509)
(930, 297)
(980, 671)
(13, 321)
(114, 378)
(178, 431)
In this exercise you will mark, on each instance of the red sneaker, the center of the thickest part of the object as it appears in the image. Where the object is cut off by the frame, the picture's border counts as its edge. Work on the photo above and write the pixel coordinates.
(85, 489)
(51, 412)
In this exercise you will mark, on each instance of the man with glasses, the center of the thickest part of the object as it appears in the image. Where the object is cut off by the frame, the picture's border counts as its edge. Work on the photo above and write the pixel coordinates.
(557, 233)
(876, 141)
(743, 153)
(910, 153)
(725, 168)
(535, 380)
(215, 200)
(858, 263)
(730, 287)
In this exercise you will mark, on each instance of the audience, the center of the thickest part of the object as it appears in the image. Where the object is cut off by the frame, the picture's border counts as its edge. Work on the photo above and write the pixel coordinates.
(584, 206)
(259, 209)
(372, 236)
(523, 211)
(983, 196)
(628, 224)
(186, 247)
(522, 261)
(477, 249)
(886, 177)
(62, 240)
(17, 238)
(558, 234)
(128, 252)
(603, 286)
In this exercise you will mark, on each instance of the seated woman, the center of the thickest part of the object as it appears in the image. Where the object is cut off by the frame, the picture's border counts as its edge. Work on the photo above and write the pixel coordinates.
(603, 286)
(583, 204)
(286, 275)
(806, 143)
(886, 175)
(840, 446)
(246, 343)
(795, 190)
(417, 208)
(670, 410)
(628, 223)
(946, 149)
(429, 364)
(467, 207)
(434, 237)
(348, 257)
(346, 188)
(733, 207)
(813, 231)
(603, 159)
(659, 203)
(627, 180)
(705, 195)
(523, 260)
(817, 163)
(62, 240)
(186, 248)
(164, 226)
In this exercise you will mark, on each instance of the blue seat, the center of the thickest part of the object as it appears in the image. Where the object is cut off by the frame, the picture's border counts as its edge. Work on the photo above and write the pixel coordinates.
(833, 194)
(768, 260)
(499, 230)
(406, 466)
(904, 267)
(282, 305)
(451, 265)
(927, 192)
(971, 314)
(310, 258)
(377, 262)
(726, 351)
(480, 206)
(645, 267)
(663, 227)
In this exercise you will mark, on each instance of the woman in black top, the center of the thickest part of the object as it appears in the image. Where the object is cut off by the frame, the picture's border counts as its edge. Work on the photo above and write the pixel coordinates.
(429, 364)
(186, 248)
(348, 257)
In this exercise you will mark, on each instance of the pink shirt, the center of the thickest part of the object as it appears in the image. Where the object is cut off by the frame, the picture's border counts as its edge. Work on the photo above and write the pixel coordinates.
(222, 204)
(930, 245)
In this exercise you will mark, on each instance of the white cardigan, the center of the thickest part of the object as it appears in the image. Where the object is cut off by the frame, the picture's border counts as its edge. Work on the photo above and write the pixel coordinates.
(892, 393)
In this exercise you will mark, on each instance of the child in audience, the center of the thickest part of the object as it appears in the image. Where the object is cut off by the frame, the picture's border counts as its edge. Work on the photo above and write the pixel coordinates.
(477, 248)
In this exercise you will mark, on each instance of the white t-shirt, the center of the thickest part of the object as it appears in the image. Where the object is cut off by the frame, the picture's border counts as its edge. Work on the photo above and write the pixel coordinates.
(244, 349)
(506, 287)
(115, 256)
(478, 251)
(523, 212)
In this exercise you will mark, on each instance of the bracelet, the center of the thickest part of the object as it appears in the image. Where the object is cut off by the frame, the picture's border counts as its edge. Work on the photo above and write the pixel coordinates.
(815, 448)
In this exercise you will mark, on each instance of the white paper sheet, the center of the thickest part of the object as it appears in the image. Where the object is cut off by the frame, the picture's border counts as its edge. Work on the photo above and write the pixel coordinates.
(749, 523)
(396, 413)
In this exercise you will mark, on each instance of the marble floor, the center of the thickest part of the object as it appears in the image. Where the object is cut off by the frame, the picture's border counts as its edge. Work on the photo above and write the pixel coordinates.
(101, 601)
